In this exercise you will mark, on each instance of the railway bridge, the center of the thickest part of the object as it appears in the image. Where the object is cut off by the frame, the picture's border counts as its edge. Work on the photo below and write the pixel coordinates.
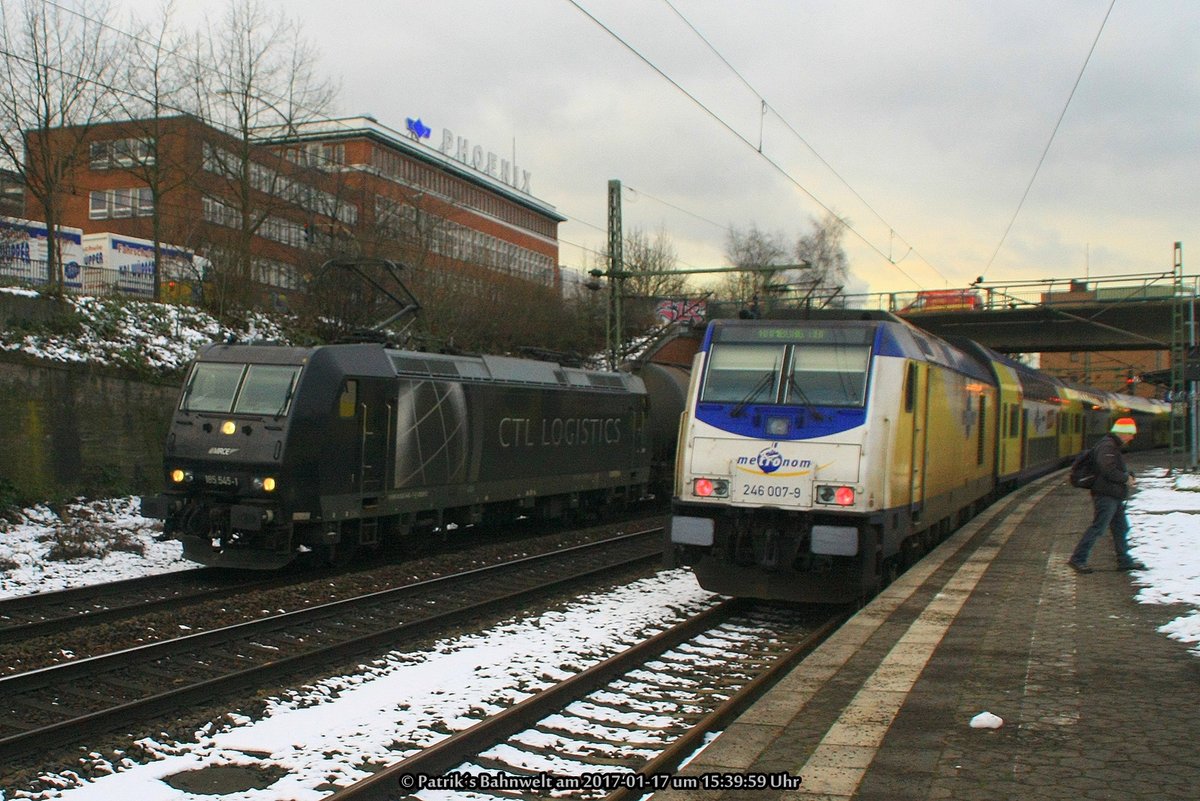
(1057, 316)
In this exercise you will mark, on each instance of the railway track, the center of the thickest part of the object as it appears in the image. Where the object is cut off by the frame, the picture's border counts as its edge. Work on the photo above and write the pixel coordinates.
(51, 613)
(56, 706)
(43, 629)
(619, 729)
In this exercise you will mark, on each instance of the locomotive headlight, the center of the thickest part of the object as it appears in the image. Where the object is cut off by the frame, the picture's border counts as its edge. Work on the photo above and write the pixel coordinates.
(181, 476)
(264, 484)
(777, 426)
(710, 488)
(835, 496)
(228, 427)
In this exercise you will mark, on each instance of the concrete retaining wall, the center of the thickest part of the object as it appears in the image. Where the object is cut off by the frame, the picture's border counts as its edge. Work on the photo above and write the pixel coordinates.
(67, 430)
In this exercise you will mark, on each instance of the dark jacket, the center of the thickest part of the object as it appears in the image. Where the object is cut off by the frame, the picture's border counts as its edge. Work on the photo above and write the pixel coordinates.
(1112, 477)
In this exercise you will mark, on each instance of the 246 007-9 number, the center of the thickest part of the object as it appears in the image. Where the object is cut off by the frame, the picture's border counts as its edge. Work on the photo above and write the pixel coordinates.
(770, 491)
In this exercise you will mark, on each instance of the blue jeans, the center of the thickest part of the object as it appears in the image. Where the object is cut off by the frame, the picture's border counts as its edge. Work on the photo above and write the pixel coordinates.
(1110, 514)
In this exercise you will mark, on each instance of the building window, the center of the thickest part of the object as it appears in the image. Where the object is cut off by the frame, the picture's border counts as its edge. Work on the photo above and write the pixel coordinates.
(98, 205)
(120, 153)
(274, 273)
(273, 183)
(320, 155)
(121, 203)
(214, 211)
(135, 201)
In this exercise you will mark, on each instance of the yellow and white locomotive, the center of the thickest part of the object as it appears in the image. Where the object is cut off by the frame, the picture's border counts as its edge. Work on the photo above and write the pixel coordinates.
(818, 458)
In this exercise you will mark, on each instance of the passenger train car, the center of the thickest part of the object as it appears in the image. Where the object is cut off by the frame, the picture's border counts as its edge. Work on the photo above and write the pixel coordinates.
(278, 451)
(819, 458)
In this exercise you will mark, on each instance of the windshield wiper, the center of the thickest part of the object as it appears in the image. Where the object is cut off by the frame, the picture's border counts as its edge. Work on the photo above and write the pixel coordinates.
(767, 380)
(185, 402)
(288, 397)
(794, 386)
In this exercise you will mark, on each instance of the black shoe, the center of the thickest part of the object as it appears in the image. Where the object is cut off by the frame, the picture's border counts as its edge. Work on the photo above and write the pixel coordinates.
(1078, 568)
(1134, 565)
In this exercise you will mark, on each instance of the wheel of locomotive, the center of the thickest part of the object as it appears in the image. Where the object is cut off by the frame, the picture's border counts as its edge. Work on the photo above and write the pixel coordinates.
(891, 571)
(912, 553)
(333, 554)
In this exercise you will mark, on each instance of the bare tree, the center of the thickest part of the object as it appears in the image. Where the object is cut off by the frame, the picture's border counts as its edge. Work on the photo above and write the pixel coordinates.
(655, 258)
(259, 82)
(161, 94)
(643, 254)
(490, 314)
(821, 248)
(649, 265)
(751, 250)
(56, 67)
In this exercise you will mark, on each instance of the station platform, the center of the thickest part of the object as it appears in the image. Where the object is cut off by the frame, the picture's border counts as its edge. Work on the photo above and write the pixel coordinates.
(1095, 703)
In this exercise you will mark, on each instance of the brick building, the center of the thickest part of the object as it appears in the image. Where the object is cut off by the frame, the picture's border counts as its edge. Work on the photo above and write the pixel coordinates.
(12, 194)
(1114, 371)
(292, 199)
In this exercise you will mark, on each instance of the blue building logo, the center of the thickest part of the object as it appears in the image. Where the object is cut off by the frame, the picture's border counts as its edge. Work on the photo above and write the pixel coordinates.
(418, 129)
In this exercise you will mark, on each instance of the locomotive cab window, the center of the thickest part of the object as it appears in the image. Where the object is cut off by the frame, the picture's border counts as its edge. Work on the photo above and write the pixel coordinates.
(267, 389)
(742, 374)
(801, 374)
(910, 387)
(240, 388)
(348, 399)
(828, 375)
(212, 387)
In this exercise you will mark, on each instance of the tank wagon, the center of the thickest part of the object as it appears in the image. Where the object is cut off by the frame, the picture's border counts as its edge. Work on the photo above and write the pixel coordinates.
(277, 451)
(819, 458)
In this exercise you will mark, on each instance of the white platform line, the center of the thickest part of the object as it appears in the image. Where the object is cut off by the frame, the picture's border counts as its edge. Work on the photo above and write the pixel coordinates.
(837, 766)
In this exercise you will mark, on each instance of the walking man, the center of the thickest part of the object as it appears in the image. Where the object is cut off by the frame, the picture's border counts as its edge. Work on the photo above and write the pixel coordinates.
(1113, 482)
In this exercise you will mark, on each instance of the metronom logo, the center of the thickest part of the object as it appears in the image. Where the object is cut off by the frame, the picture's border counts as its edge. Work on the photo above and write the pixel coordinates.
(769, 460)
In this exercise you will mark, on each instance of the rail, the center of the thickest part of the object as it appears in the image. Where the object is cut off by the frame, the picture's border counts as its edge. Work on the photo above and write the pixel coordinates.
(54, 706)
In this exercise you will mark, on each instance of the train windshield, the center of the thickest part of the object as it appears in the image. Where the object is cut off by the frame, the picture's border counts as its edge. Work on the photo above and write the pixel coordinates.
(828, 375)
(801, 374)
(743, 373)
(240, 388)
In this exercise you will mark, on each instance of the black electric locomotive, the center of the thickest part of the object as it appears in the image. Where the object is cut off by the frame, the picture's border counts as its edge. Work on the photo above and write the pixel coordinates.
(276, 451)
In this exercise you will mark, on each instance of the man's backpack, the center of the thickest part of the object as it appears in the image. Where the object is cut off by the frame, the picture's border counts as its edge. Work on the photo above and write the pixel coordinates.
(1083, 470)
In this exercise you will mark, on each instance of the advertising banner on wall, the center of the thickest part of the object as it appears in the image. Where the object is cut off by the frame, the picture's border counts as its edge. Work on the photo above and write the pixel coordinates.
(25, 252)
(127, 263)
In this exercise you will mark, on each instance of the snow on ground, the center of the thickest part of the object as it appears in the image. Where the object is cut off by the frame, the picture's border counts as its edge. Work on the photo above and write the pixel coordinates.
(125, 539)
(325, 732)
(1164, 516)
(140, 335)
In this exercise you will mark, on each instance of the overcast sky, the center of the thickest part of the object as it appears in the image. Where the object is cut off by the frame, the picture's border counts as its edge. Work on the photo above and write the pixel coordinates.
(933, 114)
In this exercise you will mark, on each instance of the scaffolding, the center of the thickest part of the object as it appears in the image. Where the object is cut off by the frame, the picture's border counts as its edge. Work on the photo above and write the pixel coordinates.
(1182, 393)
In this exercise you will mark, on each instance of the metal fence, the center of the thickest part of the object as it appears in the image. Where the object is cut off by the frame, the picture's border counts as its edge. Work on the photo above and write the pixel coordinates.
(78, 279)
(1049, 291)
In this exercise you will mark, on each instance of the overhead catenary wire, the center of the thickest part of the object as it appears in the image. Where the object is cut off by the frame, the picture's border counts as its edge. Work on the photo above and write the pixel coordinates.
(740, 137)
(766, 106)
(177, 53)
(1046, 150)
(171, 106)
